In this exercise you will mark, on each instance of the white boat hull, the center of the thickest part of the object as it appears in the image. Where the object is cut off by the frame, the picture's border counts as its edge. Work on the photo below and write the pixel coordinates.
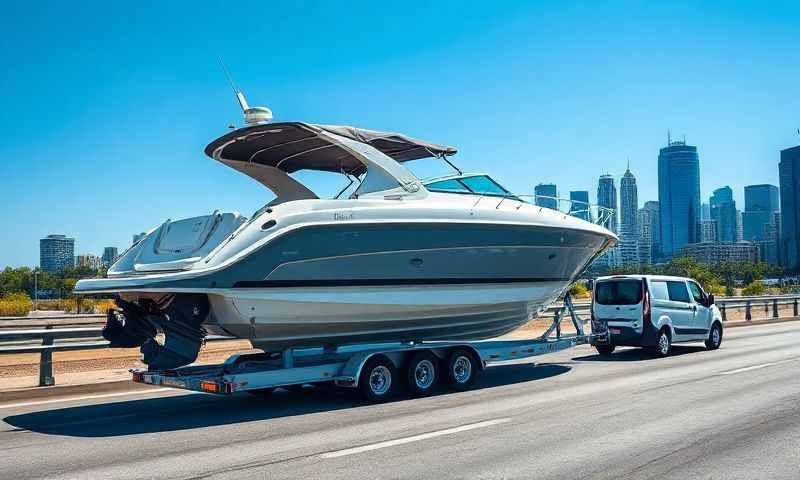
(274, 318)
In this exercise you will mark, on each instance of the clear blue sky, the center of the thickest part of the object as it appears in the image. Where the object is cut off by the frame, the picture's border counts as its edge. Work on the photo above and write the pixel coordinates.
(106, 107)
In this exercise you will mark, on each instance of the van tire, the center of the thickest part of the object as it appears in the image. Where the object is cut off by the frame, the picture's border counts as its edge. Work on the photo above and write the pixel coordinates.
(663, 344)
(605, 350)
(714, 339)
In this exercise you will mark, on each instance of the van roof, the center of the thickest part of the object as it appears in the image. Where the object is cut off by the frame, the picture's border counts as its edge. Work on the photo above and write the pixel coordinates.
(639, 277)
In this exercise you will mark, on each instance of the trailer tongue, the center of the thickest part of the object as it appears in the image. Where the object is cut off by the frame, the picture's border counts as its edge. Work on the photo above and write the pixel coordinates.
(376, 369)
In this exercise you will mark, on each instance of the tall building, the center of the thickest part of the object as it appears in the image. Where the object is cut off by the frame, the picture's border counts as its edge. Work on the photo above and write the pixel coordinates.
(88, 260)
(628, 214)
(654, 216)
(109, 256)
(715, 252)
(546, 195)
(645, 237)
(678, 196)
(607, 198)
(723, 211)
(771, 245)
(56, 252)
(579, 205)
(705, 212)
(789, 174)
(708, 231)
(760, 204)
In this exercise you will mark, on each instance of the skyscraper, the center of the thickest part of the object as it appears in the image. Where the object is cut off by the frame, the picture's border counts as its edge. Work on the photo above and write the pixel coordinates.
(708, 231)
(645, 237)
(56, 252)
(760, 204)
(723, 211)
(579, 205)
(607, 197)
(109, 255)
(705, 212)
(654, 216)
(546, 195)
(628, 209)
(789, 174)
(678, 196)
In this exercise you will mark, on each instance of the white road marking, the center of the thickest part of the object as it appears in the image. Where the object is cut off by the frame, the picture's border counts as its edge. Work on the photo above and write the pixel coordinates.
(415, 438)
(756, 367)
(84, 397)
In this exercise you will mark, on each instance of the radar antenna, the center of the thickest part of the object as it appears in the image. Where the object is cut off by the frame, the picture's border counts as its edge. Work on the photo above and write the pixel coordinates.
(252, 115)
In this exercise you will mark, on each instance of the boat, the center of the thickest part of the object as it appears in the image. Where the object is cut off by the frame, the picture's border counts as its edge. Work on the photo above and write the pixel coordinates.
(392, 258)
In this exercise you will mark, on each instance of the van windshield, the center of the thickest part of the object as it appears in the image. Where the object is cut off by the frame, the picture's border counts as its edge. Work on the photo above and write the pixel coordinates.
(618, 292)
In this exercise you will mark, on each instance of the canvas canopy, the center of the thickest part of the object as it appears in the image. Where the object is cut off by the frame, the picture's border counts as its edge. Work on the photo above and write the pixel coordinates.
(294, 146)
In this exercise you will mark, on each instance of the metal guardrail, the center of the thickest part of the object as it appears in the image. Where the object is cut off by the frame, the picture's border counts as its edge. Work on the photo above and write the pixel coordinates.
(48, 335)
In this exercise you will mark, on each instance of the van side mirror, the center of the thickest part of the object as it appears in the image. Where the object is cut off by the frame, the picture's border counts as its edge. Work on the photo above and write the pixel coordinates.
(710, 300)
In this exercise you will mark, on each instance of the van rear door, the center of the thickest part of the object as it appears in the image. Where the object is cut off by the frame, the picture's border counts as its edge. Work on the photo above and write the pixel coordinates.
(618, 301)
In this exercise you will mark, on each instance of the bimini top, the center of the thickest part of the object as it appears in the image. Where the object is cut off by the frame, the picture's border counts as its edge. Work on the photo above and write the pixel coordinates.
(294, 146)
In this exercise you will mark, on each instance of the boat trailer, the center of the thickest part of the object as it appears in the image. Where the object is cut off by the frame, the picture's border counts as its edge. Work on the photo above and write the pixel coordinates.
(376, 369)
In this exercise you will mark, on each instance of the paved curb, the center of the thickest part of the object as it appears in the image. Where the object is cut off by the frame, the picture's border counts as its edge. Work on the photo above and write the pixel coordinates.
(764, 321)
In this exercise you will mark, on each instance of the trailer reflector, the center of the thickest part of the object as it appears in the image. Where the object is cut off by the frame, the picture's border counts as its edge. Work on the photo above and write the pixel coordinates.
(208, 387)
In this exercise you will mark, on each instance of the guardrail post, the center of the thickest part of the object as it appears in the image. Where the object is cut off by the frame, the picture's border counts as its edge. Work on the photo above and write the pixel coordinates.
(795, 307)
(46, 362)
(774, 308)
(724, 313)
(747, 315)
(766, 308)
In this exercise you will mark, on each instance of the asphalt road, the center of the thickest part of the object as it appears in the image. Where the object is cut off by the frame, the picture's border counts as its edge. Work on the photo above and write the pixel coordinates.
(730, 413)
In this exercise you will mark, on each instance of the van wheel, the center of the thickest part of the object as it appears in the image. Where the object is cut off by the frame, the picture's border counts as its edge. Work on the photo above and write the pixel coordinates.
(461, 369)
(378, 379)
(714, 337)
(605, 350)
(663, 344)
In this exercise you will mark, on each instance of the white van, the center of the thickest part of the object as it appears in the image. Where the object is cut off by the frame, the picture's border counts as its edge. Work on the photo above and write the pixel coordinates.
(652, 311)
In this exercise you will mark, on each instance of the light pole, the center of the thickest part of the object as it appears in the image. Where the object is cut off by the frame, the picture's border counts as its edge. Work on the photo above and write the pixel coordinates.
(35, 289)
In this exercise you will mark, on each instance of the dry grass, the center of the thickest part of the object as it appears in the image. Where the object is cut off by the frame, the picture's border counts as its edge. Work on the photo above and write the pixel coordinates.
(15, 305)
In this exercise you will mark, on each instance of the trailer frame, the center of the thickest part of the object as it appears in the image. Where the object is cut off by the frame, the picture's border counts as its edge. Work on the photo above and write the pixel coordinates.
(344, 366)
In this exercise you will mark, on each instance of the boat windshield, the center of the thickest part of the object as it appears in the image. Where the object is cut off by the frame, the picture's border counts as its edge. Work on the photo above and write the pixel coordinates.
(473, 184)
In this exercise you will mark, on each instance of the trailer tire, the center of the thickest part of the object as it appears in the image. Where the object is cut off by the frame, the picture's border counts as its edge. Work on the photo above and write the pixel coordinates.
(462, 367)
(422, 373)
(378, 379)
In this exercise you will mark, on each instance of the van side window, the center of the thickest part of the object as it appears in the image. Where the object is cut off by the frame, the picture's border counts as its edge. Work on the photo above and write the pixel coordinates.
(659, 290)
(697, 293)
(678, 292)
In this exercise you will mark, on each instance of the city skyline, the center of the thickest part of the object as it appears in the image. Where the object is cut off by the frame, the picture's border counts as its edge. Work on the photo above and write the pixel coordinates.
(545, 105)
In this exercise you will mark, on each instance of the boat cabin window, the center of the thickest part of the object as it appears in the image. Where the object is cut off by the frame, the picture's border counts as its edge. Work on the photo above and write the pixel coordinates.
(476, 185)
(451, 185)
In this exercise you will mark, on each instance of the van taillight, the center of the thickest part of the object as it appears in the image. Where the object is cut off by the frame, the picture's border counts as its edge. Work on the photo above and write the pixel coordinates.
(645, 303)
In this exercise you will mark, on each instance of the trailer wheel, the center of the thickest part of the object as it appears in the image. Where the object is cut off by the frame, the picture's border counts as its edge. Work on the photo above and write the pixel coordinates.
(378, 379)
(422, 373)
(461, 369)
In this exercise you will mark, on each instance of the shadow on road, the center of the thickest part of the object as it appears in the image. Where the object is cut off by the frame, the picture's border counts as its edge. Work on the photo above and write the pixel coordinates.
(184, 412)
(637, 354)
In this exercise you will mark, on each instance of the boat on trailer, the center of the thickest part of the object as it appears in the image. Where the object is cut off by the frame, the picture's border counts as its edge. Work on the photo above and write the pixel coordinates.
(391, 258)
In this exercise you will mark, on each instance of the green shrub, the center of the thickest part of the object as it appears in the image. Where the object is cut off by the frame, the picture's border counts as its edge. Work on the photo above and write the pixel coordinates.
(756, 287)
(15, 305)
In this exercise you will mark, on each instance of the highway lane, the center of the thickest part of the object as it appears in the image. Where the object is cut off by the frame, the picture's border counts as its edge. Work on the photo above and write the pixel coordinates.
(731, 413)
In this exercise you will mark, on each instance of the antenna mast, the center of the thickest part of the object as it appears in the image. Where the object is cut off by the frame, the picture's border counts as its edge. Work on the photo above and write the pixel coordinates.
(252, 115)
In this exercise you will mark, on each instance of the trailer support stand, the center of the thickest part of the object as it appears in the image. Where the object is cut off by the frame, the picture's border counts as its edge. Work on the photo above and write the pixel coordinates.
(288, 358)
